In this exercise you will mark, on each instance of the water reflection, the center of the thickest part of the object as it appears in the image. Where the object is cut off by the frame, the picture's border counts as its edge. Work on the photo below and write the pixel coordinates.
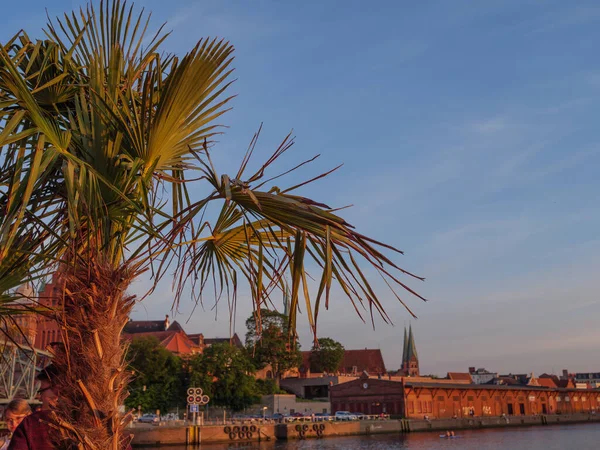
(582, 437)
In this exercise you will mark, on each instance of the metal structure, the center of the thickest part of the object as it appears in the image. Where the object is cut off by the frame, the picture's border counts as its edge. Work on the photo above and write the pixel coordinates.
(196, 399)
(19, 366)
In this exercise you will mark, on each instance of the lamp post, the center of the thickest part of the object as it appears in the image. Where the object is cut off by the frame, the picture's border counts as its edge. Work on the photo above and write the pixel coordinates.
(264, 412)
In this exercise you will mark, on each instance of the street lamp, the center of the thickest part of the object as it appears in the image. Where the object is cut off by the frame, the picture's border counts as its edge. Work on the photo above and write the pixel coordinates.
(264, 412)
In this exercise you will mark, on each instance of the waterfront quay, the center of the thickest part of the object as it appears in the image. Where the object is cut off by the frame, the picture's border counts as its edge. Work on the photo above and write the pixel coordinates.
(171, 434)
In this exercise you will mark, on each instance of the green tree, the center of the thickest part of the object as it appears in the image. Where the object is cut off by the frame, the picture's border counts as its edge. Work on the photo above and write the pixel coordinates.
(155, 384)
(326, 356)
(268, 387)
(113, 133)
(268, 341)
(224, 372)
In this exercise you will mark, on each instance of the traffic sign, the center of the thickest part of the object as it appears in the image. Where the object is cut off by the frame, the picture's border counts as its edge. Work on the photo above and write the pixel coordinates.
(193, 408)
(195, 397)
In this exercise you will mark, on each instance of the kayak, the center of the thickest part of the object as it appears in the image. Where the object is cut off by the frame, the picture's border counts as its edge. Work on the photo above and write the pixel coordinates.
(443, 436)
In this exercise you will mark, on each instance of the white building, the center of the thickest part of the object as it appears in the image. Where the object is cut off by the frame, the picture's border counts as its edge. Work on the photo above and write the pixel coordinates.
(481, 376)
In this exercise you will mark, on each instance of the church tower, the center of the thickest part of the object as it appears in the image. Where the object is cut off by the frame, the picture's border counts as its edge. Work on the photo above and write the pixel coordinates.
(410, 359)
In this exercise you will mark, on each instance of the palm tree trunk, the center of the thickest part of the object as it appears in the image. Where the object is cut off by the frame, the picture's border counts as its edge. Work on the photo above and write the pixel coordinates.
(93, 379)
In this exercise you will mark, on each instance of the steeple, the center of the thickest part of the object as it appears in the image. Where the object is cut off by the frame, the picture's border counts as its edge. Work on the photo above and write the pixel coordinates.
(410, 359)
(412, 348)
(286, 301)
(405, 350)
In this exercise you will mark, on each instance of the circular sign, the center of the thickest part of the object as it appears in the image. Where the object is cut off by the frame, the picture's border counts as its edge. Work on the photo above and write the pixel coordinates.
(191, 399)
(198, 398)
(205, 399)
(190, 391)
(198, 391)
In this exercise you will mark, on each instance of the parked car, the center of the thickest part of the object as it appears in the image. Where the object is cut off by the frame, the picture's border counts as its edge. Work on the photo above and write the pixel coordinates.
(148, 418)
(323, 417)
(345, 415)
(297, 414)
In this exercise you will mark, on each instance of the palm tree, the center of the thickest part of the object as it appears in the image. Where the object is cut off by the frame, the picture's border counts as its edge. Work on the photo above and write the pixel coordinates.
(125, 133)
(28, 215)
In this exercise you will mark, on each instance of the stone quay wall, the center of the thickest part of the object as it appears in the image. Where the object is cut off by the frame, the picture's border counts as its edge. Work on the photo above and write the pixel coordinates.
(207, 434)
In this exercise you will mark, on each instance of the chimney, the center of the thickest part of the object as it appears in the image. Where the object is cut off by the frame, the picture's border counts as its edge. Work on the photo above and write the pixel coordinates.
(167, 322)
(471, 369)
(565, 375)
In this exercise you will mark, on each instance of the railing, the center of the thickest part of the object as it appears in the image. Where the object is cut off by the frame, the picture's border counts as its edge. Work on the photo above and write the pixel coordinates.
(267, 421)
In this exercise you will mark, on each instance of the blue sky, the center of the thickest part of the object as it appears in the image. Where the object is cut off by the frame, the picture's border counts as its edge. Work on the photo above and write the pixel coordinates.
(467, 132)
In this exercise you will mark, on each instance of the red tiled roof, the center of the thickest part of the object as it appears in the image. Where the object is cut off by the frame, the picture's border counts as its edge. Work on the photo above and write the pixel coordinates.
(462, 376)
(369, 360)
(546, 382)
(174, 341)
(355, 362)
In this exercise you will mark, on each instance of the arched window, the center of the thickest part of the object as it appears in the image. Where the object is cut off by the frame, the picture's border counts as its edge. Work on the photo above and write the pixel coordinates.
(269, 374)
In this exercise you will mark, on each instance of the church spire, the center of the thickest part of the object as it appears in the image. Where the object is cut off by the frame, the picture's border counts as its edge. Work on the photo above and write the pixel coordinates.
(286, 301)
(412, 348)
(405, 350)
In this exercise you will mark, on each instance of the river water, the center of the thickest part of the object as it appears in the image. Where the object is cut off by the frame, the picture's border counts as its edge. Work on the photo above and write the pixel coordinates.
(555, 437)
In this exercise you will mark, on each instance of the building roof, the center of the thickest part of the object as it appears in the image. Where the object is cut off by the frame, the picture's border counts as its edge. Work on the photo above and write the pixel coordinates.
(546, 382)
(367, 360)
(144, 326)
(175, 341)
(546, 375)
(566, 384)
(587, 375)
(416, 384)
(506, 380)
(464, 376)
(233, 340)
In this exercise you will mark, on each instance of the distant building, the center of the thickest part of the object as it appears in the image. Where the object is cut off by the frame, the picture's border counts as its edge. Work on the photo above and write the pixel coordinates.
(459, 376)
(21, 328)
(516, 379)
(413, 398)
(591, 379)
(482, 376)
(207, 342)
(410, 358)
(354, 363)
(170, 335)
(47, 329)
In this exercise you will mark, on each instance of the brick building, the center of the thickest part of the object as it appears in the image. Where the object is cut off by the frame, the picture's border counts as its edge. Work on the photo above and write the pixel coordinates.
(48, 330)
(353, 363)
(414, 398)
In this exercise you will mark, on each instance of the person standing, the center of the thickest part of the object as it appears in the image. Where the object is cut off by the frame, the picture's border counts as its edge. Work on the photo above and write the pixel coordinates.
(33, 432)
(14, 414)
